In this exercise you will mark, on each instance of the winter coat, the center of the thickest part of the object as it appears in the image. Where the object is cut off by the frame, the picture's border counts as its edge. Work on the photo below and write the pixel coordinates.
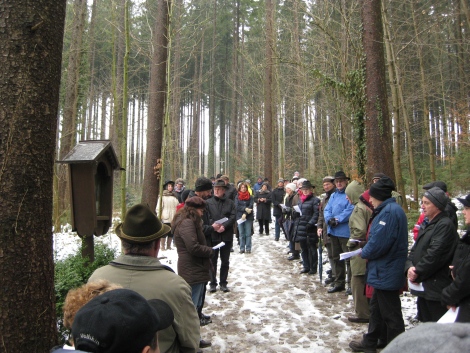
(321, 218)
(277, 196)
(358, 224)
(193, 253)
(458, 292)
(340, 208)
(257, 187)
(451, 211)
(240, 206)
(206, 221)
(219, 208)
(170, 201)
(289, 214)
(305, 224)
(263, 209)
(231, 192)
(387, 247)
(432, 254)
(148, 277)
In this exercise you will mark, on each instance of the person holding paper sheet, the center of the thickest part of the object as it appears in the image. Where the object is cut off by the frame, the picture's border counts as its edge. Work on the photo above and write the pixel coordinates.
(244, 206)
(386, 251)
(306, 228)
(457, 294)
(429, 258)
(220, 207)
(193, 253)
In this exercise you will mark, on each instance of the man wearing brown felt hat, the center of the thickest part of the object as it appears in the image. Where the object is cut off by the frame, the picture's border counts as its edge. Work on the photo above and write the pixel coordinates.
(140, 270)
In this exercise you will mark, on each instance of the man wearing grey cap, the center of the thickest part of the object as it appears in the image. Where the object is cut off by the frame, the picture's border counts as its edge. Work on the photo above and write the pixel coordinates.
(429, 258)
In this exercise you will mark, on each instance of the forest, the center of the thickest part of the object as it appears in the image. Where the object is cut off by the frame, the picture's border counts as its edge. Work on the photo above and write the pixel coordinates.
(232, 62)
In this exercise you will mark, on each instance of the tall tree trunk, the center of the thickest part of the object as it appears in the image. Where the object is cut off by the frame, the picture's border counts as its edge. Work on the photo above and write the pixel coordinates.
(31, 37)
(67, 139)
(396, 110)
(156, 110)
(424, 96)
(125, 106)
(211, 154)
(378, 130)
(268, 91)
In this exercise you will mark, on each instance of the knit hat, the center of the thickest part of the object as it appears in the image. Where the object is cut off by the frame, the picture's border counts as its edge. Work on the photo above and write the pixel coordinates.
(195, 202)
(280, 181)
(341, 175)
(328, 179)
(291, 186)
(382, 189)
(203, 184)
(432, 338)
(439, 184)
(119, 321)
(465, 201)
(307, 185)
(141, 225)
(437, 197)
(365, 198)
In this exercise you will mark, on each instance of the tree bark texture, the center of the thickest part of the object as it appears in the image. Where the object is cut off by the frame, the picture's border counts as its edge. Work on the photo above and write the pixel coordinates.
(268, 92)
(31, 37)
(378, 126)
(157, 98)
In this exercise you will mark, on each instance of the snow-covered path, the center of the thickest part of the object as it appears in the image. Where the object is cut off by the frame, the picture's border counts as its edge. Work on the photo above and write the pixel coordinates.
(271, 307)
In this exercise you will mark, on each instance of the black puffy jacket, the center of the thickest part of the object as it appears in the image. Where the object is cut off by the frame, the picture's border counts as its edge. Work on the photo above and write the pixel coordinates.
(305, 224)
(432, 254)
(458, 292)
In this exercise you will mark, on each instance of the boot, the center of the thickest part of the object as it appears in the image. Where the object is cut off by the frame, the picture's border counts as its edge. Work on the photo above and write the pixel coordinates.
(162, 243)
(168, 243)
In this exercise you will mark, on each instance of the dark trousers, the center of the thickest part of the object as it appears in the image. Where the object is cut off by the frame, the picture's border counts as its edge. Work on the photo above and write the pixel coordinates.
(338, 246)
(385, 308)
(264, 223)
(430, 310)
(309, 254)
(224, 262)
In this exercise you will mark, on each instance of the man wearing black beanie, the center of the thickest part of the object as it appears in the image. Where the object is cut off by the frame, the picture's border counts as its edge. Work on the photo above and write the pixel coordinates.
(386, 251)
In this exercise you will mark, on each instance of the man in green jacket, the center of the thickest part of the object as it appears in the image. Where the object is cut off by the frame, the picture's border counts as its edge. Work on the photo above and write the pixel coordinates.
(358, 222)
(140, 270)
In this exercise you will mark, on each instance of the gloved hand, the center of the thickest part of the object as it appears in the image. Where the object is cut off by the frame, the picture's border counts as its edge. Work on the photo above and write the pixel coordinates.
(248, 210)
(286, 210)
(244, 216)
(333, 222)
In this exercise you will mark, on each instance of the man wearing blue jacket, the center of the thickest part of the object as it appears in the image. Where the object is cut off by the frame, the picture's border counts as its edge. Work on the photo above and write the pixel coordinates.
(336, 215)
(386, 251)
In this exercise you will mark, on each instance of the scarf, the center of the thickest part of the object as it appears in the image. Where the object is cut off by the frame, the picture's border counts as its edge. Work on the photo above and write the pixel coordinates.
(304, 197)
(243, 195)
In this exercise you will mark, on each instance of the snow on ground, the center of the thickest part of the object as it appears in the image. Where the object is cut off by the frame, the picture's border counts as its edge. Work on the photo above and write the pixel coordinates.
(271, 307)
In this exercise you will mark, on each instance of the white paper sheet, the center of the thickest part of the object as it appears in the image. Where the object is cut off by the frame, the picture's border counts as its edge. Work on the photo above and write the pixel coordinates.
(218, 246)
(347, 255)
(449, 317)
(416, 286)
(297, 209)
(222, 221)
(240, 221)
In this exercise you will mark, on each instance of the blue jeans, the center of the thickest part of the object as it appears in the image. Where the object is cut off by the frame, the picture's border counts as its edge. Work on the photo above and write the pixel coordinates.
(197, 293)
(277, 227)
(244, 229)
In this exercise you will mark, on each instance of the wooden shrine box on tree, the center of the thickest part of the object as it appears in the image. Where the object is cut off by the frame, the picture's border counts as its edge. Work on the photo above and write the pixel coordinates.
(91, 167)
